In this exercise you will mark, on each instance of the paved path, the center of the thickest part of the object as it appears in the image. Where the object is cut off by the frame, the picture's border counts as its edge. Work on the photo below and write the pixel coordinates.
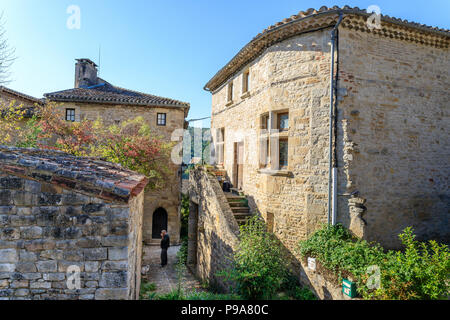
(166, 278)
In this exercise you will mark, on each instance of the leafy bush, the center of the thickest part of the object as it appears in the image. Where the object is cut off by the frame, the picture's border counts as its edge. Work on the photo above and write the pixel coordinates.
(421, 271)
(147, 291)
(291, 286)
(131, 144)
(184, 215)
(203, 295)
(259, 264)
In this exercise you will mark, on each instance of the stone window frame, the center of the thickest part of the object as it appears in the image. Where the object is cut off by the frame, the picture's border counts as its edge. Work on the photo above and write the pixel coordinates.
(70, 114)
(220, 146)
(161, 119)
(269, 159)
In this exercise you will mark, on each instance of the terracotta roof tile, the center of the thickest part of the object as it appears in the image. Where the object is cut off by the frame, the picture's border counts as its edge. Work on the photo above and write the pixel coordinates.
(303, 19)
(109, 94)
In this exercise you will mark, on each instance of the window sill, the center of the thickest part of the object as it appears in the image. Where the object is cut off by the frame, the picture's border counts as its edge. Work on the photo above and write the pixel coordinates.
(280, 173)
(229, 103)
(245, 95)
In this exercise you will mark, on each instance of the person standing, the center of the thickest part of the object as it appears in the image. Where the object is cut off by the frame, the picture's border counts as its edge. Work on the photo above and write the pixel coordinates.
(165, 244)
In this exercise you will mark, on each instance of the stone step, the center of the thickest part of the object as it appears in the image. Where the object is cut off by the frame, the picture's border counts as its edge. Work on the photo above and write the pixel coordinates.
(241, 221)
(240, 210)
(242, 215)
(231, 197)
(237, 204)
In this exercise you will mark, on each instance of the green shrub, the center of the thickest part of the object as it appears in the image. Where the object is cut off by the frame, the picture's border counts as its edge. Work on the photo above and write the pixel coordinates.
(421, 271)
(175, 294)
(291, 286)
(203, 295)
(147, 290)
(259, 264)
(184, 215)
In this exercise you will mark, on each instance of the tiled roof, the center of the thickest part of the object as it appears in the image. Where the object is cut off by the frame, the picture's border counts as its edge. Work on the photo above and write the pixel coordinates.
(308, 20)
(89, 176)
(109, 94)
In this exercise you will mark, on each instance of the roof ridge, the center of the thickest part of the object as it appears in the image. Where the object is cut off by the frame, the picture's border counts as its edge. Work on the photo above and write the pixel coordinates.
(303, 22)
(115, 97)
(18, 93)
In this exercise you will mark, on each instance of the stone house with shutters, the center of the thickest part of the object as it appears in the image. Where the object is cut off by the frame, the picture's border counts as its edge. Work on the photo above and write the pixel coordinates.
(358, 135)
(93, 97)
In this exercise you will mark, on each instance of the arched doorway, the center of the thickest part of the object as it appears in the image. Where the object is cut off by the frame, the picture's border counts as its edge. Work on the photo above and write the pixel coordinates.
(159, 222)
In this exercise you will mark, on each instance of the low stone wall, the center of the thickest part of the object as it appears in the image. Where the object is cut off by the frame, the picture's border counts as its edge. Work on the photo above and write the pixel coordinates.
(322, 282)
(48, 230)
(213, 230)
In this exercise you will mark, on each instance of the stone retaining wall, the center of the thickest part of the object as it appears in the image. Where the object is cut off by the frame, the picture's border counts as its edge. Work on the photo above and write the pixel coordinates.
(213, 230)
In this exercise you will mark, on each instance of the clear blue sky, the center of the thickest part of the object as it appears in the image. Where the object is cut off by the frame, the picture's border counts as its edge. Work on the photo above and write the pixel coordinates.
(169, 48)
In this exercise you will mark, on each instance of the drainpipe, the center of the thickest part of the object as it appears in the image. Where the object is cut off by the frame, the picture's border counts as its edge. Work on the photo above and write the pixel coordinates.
(332, 169)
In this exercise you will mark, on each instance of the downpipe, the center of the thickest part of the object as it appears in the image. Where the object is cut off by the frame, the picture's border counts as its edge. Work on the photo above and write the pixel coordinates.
(332, 169)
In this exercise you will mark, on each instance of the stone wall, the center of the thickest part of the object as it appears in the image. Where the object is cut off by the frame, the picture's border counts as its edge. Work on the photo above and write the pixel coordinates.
(393, 137)
(44, 230)
(90, 220)
(213, 230)
(291, 75)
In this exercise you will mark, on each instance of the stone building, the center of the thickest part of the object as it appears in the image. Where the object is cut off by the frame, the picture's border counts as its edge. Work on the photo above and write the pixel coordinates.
(388, 109)
(61, 214)
(19, 99)
(93, 97)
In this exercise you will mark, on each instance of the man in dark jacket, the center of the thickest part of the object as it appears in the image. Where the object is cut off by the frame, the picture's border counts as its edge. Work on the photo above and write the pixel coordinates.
(165, 244)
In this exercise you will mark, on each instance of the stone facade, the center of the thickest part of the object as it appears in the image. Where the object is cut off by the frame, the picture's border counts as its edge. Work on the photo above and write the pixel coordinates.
(58, 214)
(213, 230)
(392, 126)
(292, 75)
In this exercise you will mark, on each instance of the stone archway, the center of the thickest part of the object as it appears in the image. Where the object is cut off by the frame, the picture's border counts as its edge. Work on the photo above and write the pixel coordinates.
(159, 222)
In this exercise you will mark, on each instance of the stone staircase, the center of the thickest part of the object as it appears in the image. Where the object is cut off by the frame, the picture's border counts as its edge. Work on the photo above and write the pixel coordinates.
(238, 202)
(239, 207)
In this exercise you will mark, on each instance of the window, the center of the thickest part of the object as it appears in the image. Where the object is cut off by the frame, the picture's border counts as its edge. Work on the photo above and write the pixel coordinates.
(274, 141)
(161, 120)
(220, 143)
(245, 81)
(283, 121)
(230, 92)
(283, 152)
(70, 115)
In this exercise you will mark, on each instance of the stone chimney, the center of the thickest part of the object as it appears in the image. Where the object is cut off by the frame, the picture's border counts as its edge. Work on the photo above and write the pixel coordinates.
(85, 73)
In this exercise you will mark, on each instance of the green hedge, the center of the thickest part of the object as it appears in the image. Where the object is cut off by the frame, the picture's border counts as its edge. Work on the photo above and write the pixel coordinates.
(420, 271)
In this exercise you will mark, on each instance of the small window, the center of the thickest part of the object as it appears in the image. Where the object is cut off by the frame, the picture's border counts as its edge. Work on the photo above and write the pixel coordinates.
(283, 153)
(230, 92)
(70, 115)
(161, 119)
(245, 81)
